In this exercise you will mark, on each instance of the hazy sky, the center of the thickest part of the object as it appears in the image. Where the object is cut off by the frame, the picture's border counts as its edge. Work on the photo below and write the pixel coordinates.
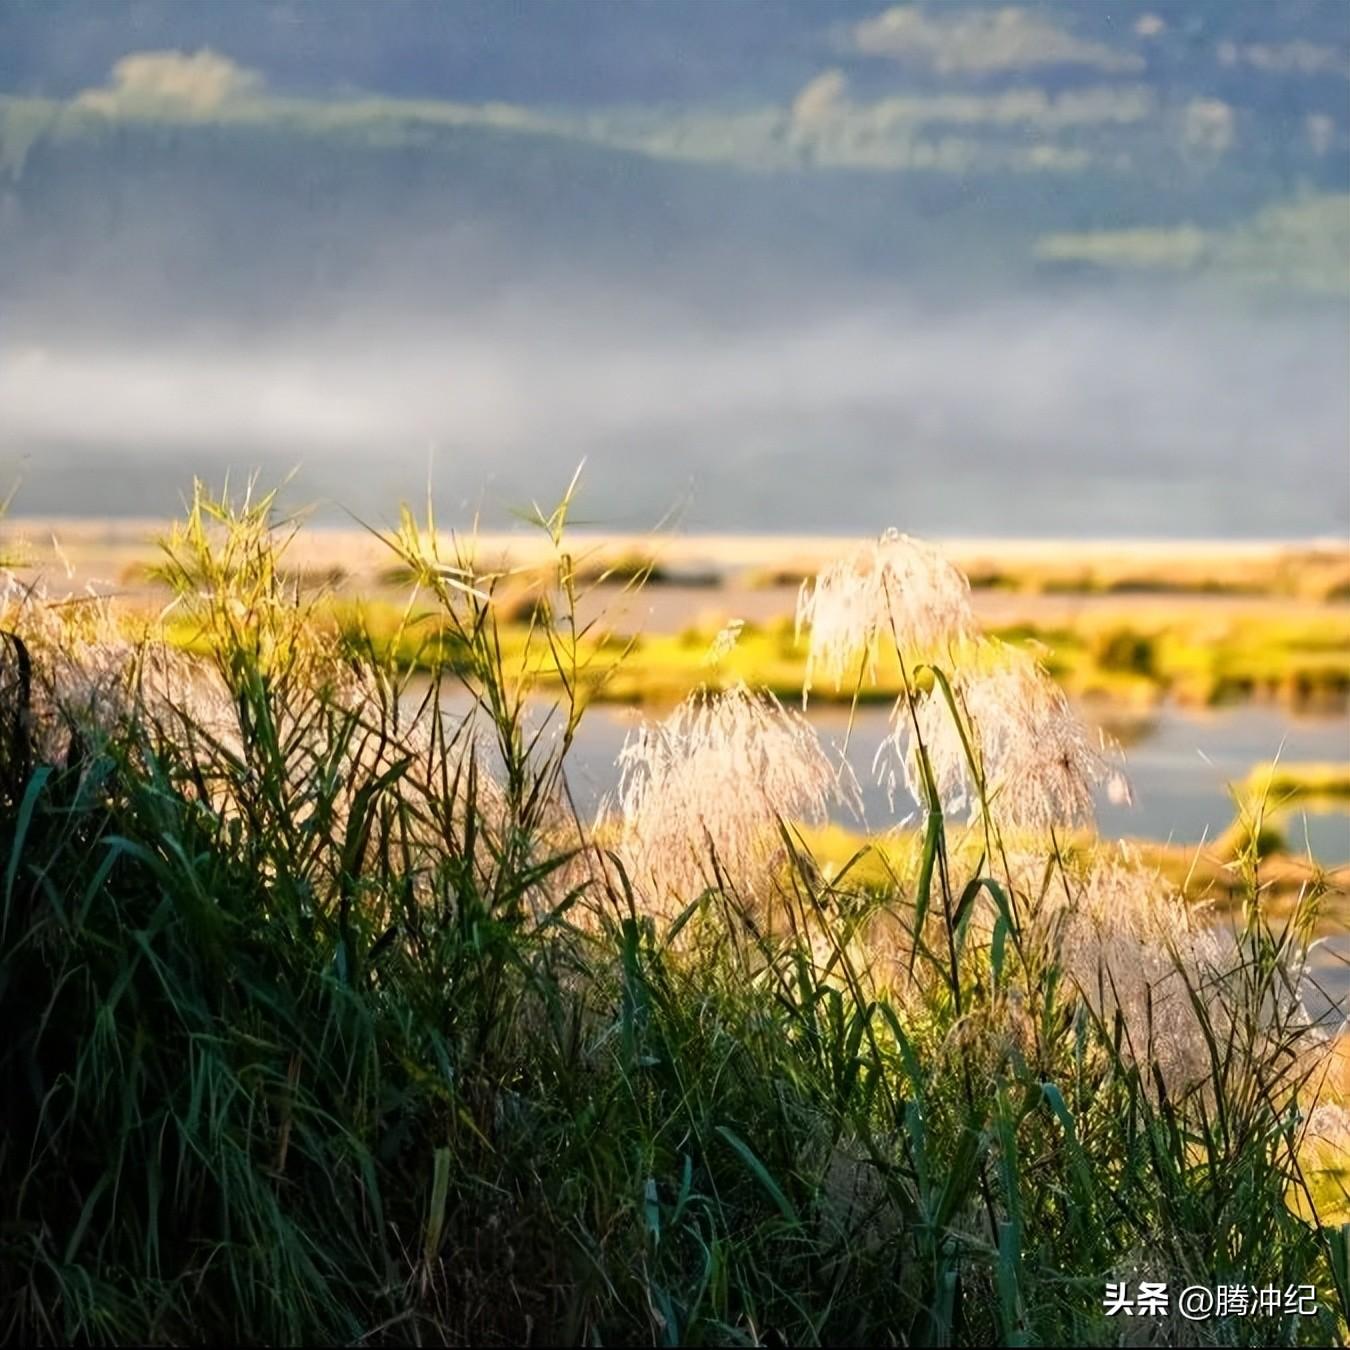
(1049, 268)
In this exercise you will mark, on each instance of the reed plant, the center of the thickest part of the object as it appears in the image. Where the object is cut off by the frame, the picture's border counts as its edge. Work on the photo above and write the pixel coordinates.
(329, 1017)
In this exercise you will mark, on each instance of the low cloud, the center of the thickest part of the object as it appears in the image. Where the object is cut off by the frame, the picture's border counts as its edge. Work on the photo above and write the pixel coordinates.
(200, 83)
(1299, 57)
(1078, 418)
(983, 42)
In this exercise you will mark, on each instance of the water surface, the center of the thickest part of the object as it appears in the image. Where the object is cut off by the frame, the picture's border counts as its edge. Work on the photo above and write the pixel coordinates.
(1183, 766)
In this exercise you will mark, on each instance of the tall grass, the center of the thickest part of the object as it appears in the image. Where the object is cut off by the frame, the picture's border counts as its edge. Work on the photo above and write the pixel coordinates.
(328, 1017)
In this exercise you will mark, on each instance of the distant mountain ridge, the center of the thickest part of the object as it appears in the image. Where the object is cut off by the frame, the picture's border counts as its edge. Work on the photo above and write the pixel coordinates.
(225, 153)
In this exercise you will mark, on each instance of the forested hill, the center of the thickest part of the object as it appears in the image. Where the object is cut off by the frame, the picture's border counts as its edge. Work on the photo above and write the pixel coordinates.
(255, 161)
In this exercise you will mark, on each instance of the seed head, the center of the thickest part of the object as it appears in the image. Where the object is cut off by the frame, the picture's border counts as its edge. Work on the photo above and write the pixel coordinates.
(701, 794)
(894, 590)
(1024, 752)
(724, 643)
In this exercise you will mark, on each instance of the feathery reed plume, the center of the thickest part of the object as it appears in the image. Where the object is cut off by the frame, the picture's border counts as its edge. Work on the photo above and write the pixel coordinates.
(724, 643)
(894, 590)
(92, 677)
(100, 682)
(701, 794)
(1140, 952)
(1034, 762)
(1132, 945)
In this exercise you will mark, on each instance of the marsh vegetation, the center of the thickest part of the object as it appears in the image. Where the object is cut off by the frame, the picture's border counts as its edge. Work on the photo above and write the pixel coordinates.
(332, 1015)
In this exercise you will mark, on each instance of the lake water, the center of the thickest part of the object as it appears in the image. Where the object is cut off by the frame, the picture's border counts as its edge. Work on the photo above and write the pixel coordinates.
(1180, 764)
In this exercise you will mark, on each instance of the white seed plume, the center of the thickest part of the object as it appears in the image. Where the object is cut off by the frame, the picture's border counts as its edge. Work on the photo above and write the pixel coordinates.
(1129, 944)
(724, 643)
(701, 795)
(93, 680)
(895, 590)
(928, 720)
(1135, 947)
(1038, 763)
(90, 679)
(1132, 945)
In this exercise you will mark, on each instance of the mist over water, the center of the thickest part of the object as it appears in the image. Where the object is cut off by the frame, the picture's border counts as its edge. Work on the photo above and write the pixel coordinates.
(1083, 413)
(758, 270)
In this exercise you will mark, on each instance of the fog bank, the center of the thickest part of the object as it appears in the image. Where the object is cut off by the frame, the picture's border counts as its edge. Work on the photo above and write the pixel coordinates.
(1086, 415)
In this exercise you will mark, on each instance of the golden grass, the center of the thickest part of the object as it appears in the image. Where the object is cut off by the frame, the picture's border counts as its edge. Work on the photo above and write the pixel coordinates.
(1200, 872)
(1282, 783)
(1296, 662)
(1128, 622)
